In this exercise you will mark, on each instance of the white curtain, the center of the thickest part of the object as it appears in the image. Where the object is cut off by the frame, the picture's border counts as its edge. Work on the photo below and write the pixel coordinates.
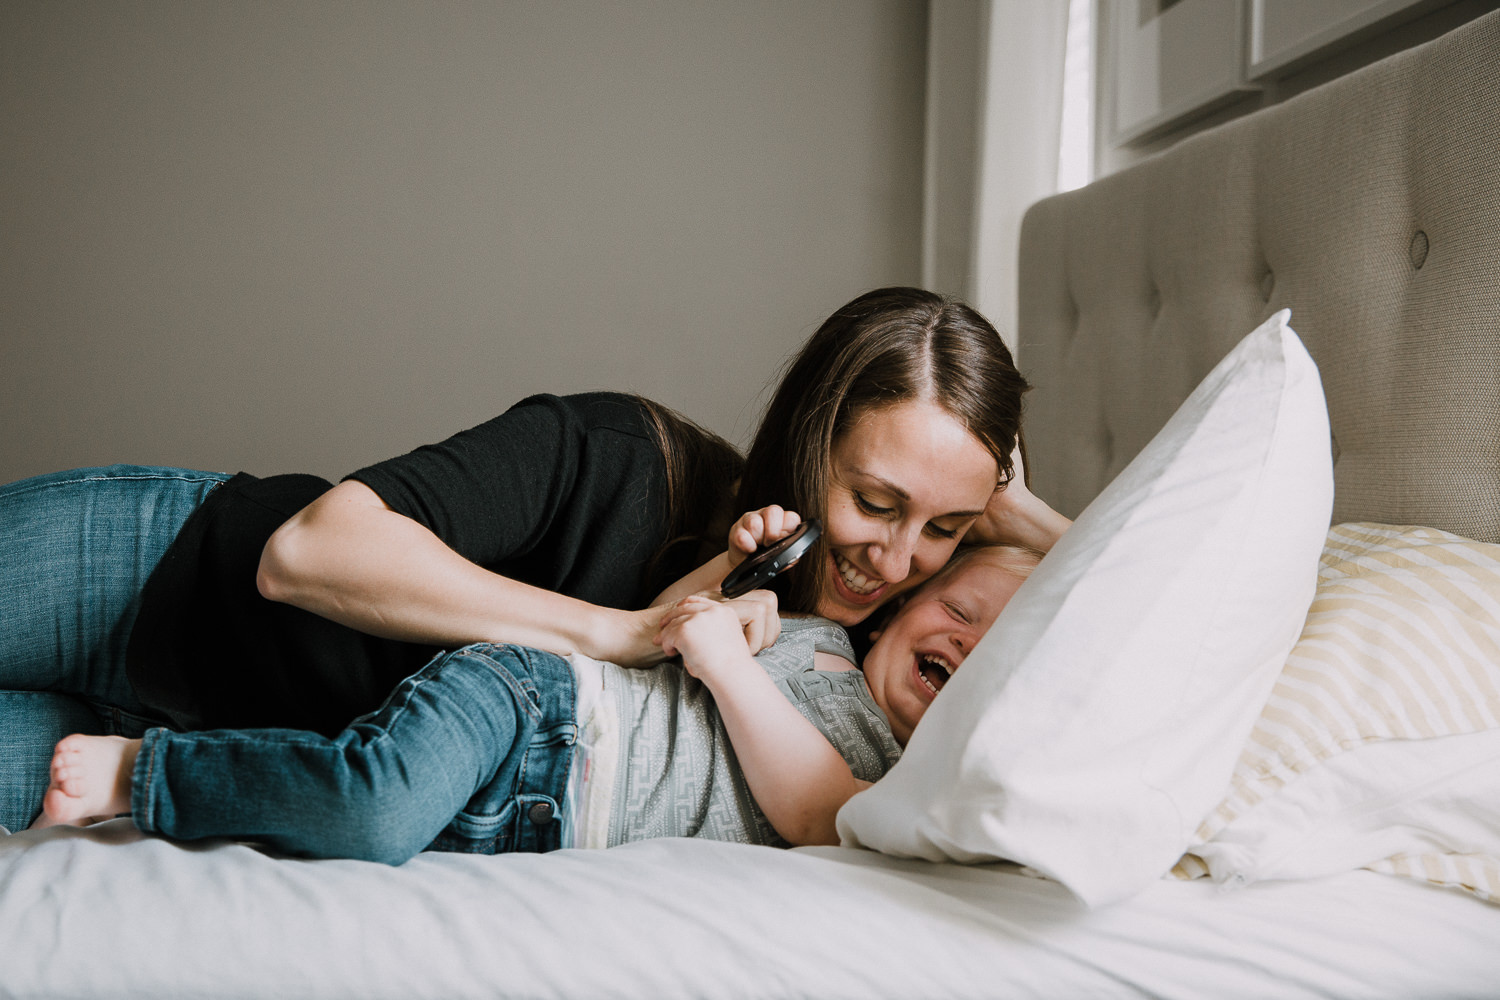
(1000, 135)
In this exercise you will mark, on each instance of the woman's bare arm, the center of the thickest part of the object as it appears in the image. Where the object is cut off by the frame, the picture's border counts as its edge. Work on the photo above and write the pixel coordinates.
(348, 557)
(1017, 516)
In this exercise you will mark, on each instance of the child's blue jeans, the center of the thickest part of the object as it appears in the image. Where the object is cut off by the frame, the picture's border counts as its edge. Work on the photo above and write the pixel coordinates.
(470, 754)
(76, 548)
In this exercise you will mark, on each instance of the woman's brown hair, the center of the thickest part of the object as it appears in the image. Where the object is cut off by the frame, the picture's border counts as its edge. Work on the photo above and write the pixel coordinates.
(701, 469)
(885, 347)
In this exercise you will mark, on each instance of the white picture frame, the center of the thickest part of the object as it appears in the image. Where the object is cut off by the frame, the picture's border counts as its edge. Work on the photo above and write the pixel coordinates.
(1167, 60)
(1285, 32)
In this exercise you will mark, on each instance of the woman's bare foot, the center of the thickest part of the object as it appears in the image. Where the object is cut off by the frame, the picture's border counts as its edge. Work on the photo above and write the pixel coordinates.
(91, 780)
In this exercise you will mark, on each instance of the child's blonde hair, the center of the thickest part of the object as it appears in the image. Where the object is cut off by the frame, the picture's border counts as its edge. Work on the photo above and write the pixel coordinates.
(1017, 560)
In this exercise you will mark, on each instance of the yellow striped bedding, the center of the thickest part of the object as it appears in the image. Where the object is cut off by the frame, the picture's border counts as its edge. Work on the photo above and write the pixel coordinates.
(1380, 745)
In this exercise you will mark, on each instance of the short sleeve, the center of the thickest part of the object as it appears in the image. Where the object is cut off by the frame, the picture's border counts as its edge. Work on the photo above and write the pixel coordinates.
(567, 493)
(490, 492)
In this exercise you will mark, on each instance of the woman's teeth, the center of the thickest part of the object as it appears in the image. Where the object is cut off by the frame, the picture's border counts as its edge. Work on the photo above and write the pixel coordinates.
(854, 579)
(934, 671)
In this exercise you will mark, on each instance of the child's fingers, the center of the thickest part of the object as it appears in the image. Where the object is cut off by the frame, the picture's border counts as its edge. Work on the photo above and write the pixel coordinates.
(670, 635)
(667, 639)
(683, 609)
(753, 630)
(759, 621)
(755, 602)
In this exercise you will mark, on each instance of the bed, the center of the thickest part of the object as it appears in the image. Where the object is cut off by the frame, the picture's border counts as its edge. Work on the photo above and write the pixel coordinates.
(1241, 740)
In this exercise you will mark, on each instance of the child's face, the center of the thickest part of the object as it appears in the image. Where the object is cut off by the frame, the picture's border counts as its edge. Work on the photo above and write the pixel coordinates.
(930, 636)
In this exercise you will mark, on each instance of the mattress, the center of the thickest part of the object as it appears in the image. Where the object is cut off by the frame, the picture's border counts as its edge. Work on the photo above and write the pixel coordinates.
(106, 911)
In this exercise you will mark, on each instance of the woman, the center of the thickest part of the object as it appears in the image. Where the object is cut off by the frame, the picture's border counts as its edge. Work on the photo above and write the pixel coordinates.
(200, 600)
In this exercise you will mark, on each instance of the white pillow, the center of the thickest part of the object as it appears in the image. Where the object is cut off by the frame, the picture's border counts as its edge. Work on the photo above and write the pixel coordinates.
(1379, 746)
(1098, 722)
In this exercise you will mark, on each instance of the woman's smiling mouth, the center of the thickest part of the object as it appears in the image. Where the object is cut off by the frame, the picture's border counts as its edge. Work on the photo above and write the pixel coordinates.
(856, 582)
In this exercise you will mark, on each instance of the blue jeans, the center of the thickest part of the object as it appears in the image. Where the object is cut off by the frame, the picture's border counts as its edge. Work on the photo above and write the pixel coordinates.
(76, 548)
(469, 754)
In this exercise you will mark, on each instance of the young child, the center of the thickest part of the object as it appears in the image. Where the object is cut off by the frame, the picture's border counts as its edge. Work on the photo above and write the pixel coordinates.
(482, 752)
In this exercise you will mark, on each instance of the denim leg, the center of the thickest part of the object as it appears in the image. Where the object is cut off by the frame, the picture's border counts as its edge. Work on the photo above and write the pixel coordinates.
(31, 723)
(76, 548)
(467, 724)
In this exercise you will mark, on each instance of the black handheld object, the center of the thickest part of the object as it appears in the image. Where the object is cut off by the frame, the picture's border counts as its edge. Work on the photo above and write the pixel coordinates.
(769, 560)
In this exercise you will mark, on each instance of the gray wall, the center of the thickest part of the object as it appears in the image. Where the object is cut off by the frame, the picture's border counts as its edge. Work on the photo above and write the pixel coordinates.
(308, 235)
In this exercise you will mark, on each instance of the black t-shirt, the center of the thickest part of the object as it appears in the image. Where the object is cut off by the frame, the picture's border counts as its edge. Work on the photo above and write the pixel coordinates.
(566, 493)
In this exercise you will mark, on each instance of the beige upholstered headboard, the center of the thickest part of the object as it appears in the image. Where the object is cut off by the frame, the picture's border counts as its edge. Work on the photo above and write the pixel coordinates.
(1370, 207)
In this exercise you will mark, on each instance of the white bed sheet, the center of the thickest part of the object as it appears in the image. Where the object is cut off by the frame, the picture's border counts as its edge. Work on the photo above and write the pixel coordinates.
(106, 912)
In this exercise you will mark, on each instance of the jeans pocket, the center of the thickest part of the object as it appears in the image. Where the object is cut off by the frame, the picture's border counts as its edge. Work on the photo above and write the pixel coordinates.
(118, 722)
(476, 832)
(529, 823)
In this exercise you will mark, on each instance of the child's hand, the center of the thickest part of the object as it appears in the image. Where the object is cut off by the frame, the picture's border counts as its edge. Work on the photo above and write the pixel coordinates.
(760, 623)
(709, 634)
(760, 527)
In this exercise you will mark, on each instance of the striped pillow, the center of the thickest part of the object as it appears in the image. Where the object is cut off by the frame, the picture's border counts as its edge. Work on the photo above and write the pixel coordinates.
(1380, 744)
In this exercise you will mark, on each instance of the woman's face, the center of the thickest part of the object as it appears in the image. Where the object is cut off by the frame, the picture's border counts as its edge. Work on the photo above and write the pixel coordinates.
(906, 481)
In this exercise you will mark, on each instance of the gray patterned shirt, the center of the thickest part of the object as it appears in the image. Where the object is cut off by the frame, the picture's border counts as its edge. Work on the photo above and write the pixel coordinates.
(677, 774)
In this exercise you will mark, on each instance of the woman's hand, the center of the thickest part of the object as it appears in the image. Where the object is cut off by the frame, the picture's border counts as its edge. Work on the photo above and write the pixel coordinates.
(750, 532)
(630, 639)
(1016, 516)
(760, 527)
(755, 624)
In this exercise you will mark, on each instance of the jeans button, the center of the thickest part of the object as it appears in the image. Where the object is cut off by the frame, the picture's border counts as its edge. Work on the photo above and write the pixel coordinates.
(540, 813)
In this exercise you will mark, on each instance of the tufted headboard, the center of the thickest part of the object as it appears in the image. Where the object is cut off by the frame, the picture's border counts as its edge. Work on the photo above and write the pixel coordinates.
(1369, 206)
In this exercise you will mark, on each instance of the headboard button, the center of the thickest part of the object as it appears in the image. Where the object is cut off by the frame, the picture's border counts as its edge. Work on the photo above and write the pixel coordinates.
(1418, 250)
